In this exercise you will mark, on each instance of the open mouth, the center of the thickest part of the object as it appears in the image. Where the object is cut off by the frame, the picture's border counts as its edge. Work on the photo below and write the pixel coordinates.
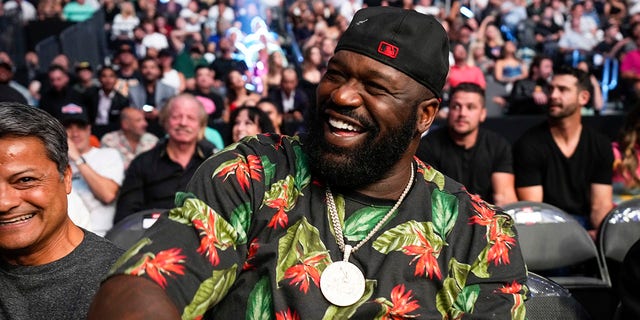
(16, 220)
(342, 128)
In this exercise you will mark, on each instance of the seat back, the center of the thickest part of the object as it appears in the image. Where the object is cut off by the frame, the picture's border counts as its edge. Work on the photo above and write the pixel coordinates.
(551, 301)
(129, 230)
(620, 229)
(551, 239)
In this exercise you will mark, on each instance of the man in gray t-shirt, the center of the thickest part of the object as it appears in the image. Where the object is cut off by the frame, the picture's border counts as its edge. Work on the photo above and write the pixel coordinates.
(49, 267)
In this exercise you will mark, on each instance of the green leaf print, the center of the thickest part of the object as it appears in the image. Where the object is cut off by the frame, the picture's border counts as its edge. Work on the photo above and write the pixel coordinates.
(269, 169)
(301, 240)
(358, 225)
(241, 221)
(260, 301)
(210, 292)
(181, 197)
(191, 209)
(446, 296)
(481, 265)
(338, 313)
(451, 287)
(459, 272)
(303, 176)
(283, 189)
(130, 253)
(405, 234)
(430, 174)
(467, 298)
(444, 207)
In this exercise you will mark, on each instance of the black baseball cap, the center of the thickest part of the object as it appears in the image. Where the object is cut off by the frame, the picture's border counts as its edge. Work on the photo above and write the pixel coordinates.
(411, 42)
(73, 113)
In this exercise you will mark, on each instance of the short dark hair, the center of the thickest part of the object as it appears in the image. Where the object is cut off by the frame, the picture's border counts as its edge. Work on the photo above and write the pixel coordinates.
(265, 124)
(468, 87)
(201, 66)
(583, 78)
(105, 68)
(537, 61)
(19, 120)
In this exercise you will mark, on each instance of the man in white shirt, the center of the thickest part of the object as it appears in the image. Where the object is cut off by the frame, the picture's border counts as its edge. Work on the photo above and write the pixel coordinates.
(97, 172)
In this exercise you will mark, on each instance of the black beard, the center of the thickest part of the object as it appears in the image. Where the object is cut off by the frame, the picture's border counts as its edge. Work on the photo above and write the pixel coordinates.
(350, 168)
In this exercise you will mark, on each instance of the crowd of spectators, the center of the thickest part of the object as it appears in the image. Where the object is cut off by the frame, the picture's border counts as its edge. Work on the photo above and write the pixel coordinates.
(186, 78)
(232, 55)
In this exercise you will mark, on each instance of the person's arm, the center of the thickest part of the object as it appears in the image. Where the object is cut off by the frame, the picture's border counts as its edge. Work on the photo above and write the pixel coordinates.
(503, 188)
(130, 297)
(131, 197)
(531, 193)
(103, 188)
(497, 71)
(601, 203)
(598, 101)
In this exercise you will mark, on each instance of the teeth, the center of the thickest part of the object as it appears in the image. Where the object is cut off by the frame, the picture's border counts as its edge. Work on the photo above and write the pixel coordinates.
(342, 125)
(18, 219)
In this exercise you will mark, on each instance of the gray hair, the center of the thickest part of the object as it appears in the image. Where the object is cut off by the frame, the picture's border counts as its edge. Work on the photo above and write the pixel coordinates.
(19, 120)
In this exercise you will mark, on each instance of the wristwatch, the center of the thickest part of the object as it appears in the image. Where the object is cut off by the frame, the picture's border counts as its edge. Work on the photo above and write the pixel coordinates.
(80, 161)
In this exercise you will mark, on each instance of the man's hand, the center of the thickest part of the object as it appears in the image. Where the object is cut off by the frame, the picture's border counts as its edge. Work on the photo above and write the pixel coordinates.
(74, 153)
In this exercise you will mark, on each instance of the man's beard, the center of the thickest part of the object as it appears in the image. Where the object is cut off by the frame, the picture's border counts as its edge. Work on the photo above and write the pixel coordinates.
(361, 165)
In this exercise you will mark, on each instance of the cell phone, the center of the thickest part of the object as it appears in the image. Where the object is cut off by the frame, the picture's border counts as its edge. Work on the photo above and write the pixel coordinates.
(466, 12)
(148, 108)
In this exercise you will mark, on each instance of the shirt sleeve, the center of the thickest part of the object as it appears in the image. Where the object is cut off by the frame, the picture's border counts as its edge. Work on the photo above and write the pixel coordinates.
(131, 198)
(196, 251)
(603, 172)
(494, 285)
(503, 157)
(527, 164)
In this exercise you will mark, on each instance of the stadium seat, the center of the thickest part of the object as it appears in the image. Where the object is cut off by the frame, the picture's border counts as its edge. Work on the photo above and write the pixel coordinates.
(129, 230)
(554, 244)
(551, 301)
(620, 229)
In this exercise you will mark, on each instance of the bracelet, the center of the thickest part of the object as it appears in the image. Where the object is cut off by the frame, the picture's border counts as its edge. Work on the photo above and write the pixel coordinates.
(80, 161)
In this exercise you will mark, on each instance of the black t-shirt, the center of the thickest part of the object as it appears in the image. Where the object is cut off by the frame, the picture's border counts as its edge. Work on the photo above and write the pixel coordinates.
(566, 181)
(472, 167)
(9, 94)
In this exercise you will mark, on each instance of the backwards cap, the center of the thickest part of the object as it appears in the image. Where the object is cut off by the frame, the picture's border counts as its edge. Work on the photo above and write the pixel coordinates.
(411, 42)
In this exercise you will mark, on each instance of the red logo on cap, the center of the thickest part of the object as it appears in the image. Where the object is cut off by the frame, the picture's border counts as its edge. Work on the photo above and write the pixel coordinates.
(388, 49)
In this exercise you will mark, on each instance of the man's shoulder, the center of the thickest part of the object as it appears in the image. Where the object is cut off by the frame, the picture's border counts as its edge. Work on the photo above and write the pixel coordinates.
(537, 133)
(101, 247)
(110, 138)
(491, 137)
(151, 155)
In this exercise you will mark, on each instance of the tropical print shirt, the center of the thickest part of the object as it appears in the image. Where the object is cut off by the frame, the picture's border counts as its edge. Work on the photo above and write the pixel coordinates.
(253, 235)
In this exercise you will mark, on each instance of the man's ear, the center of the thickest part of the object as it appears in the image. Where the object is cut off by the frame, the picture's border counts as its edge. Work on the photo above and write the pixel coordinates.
(583, 97)
(427, 111)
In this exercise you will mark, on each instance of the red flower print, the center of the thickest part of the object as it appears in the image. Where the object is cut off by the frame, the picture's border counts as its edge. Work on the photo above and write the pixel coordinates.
(208, 238)
(502, 243)
(253, 249)
(166, 261)
(304, 273)
(244, 169)
(280, 218)
(401, 304)
(287, 315)
(424, 255)
(485, 214)
(511, 288)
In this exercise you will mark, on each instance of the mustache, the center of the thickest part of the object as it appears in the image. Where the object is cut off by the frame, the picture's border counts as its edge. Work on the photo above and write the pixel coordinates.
(348, 112)
(185, 129)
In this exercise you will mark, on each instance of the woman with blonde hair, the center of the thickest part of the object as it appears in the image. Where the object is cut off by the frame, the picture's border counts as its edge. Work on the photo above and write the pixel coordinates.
(626, 164)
